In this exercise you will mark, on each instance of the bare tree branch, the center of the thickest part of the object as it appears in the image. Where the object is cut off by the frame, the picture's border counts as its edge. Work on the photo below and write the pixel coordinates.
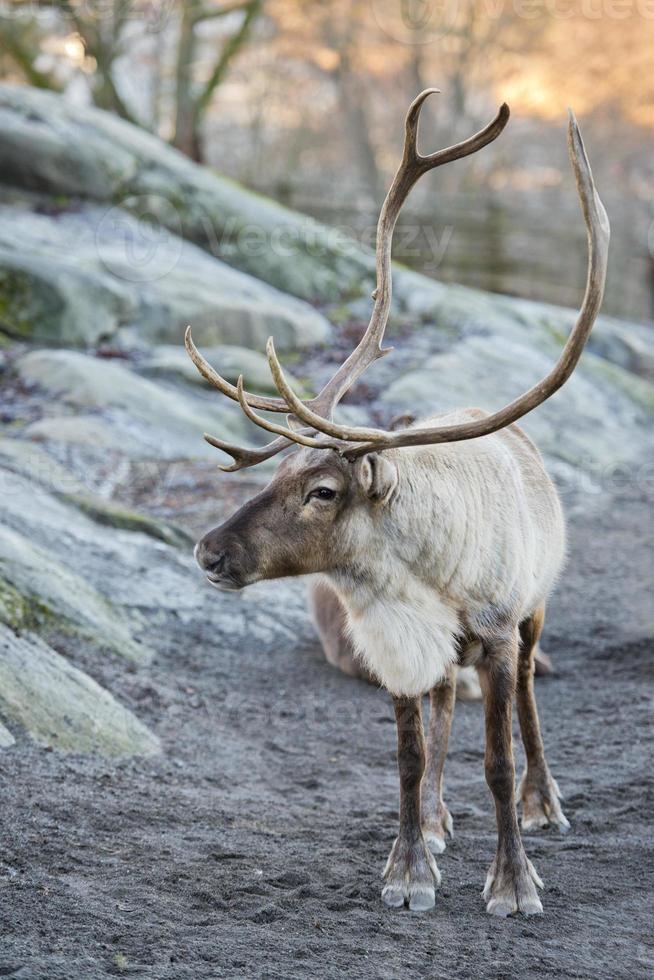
(232, 47)
(212, 13)
(17, 45)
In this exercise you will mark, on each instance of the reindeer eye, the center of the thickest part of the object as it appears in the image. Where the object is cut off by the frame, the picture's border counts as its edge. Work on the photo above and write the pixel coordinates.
(322, 493)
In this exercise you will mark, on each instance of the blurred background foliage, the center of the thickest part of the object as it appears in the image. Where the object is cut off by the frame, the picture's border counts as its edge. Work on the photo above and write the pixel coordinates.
(303, 100)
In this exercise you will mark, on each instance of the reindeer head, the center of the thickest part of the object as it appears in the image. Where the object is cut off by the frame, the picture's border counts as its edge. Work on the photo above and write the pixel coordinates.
(326, 505)
(314, 516)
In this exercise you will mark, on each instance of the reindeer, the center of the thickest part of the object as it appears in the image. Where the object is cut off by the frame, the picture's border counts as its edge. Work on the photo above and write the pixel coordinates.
(442, 541)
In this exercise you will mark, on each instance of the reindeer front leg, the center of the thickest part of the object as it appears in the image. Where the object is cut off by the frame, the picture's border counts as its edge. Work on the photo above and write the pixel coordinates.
(411, 874)
(511, 882)
(436, 819)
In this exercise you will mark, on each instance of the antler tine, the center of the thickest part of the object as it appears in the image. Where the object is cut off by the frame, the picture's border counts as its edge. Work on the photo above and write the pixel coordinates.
(293, 435)
(209, 373)
(302, 411)
(243, 456)
(411, 168)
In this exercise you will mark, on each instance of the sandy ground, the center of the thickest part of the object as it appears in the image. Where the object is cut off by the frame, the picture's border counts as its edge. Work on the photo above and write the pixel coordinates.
(254, 846)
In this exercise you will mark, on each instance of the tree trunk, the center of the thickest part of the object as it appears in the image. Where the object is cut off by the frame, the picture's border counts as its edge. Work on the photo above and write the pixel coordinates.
(356, 118)
(185, 136)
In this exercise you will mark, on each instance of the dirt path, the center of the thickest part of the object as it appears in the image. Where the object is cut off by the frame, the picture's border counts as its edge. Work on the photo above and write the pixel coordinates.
(254, 847)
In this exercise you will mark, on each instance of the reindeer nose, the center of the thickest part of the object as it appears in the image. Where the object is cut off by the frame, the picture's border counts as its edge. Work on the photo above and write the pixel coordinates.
(215, 564)
(210, 561)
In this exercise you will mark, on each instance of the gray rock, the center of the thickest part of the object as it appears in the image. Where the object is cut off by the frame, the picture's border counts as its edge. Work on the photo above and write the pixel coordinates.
(39, 592)
(594, 423)
(126, 569)
(30, 460)
(111, 514)
(52, 300)
(111, 407)
(62, 707)
(92, 273)
(458, 311)
(82, 489)
(229, 360)
(6, 738)
(42, 148)
(93, 434)
(51, 145)
(94, 590)
(629, 345)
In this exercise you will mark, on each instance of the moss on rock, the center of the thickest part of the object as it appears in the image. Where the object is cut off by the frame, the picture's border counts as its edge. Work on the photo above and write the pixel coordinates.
(39, 593)
(62, 707)
(14, 607)
(112, 514)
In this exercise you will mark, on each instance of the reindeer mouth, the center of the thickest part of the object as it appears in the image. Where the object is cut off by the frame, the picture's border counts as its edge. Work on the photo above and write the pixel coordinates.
(218, 569)
(224, 583)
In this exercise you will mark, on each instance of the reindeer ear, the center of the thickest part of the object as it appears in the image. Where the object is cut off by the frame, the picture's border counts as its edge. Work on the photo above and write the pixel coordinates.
(377, 476)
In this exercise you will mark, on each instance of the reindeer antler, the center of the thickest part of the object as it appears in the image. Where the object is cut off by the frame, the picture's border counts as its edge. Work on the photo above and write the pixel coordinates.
(369, 348)
(369, 440)
(412, 167)
(353, 441)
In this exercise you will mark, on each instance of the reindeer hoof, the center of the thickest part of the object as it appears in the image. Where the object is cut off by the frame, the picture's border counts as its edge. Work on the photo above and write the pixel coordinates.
(435, 831)
(541, 807)
(511, 889)
(410, 877)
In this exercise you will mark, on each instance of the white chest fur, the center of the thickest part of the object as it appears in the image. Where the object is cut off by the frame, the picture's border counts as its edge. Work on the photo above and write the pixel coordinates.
(406, 644)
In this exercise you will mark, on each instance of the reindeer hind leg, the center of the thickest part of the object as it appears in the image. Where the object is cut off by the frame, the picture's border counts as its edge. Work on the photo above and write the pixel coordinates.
(539, 791)
(512, 880)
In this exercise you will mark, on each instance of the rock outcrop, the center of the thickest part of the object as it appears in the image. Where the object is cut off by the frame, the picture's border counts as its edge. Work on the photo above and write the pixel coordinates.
(62, 707)
(52, 147)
